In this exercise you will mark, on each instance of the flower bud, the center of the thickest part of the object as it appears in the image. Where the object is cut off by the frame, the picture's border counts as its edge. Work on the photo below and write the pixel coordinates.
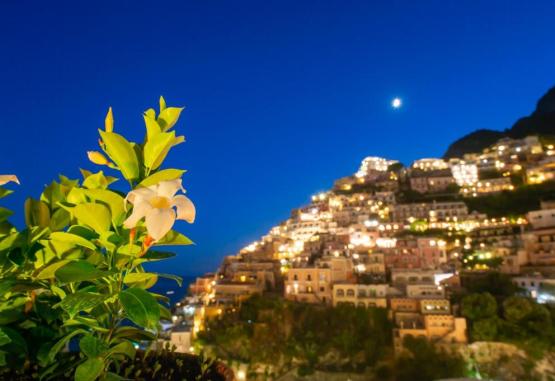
(97, 158)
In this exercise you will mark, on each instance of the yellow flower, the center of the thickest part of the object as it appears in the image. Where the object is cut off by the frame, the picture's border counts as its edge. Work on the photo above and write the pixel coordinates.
(97, 158)
(4, 179)
(156, 205)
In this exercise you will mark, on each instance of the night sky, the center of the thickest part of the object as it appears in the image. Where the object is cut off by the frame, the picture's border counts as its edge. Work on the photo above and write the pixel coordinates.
(282, 97)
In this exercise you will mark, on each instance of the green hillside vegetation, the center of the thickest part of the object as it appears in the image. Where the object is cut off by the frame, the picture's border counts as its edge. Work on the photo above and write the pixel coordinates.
(513, 203)
(515, 320)
(274, 331)
(280, 336)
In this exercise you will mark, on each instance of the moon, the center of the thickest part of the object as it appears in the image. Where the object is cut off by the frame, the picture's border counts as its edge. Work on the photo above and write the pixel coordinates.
(396, 103)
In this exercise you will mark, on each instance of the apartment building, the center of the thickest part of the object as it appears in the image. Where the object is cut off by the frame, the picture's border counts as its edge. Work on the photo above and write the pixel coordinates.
(313, 284)
(438, 328)
(431, 183)
(360, 295)
(433, 211)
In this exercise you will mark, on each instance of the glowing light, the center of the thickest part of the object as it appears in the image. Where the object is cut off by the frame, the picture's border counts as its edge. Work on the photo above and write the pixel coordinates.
(396, 103)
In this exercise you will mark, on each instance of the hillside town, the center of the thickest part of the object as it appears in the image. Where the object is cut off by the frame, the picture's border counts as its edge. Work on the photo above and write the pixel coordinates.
(399, 238)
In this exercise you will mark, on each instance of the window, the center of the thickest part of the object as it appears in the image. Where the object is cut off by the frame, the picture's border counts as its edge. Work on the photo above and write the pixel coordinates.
(309, 277)
(350, 292)
(340, 292)
(295, 277)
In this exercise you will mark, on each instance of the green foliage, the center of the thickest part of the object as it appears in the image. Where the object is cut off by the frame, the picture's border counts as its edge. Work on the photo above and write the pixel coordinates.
(74, 274)
(422, 361)
(512, 203)
(282, 333)
(520, 321)
(479, 306)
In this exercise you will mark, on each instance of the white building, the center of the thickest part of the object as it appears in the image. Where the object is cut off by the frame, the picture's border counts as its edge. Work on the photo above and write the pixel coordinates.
(430, 164)
(373, 163)
(465, 174)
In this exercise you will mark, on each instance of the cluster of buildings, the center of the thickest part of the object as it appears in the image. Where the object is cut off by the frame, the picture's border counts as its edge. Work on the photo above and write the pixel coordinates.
(371, 243)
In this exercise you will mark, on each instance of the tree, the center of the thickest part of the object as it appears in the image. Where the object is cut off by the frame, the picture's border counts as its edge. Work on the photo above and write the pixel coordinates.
(422, 361)
(516, 309)
(485, 329)
(479, 306)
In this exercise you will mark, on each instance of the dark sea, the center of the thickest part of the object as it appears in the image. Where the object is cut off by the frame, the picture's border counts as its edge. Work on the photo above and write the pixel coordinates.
(164, 285)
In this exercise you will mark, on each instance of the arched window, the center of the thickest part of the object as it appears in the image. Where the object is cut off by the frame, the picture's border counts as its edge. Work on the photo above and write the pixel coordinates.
(340, 292)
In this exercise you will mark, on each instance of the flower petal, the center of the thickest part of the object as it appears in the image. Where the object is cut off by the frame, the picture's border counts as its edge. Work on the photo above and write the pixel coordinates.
(140, 194)
(169, 188)
(140, 210)
(185, 208)
(4, 179)
(159, 222)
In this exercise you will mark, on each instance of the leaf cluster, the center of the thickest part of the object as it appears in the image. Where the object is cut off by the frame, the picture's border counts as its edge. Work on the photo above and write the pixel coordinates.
(74, 277)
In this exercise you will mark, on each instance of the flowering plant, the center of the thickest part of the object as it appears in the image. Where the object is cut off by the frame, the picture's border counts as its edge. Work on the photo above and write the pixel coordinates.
(76, 273)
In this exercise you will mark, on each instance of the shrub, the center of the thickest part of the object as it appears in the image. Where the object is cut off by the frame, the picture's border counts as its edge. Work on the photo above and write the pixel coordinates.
(75, 274)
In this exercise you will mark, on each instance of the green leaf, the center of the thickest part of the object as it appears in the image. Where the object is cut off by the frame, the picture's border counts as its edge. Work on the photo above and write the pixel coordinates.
(122, 153)
(98, 181)
(114, 201)
(49, 271)
(97, 216)
(60, 219)
(78, 271)
(73, 239)
(4, 338)
(80, 301)
(168, 117)
(92, 346)
(140, 306)
(163, 175)
(152, 255)
(165, 313)
(5, 192)
(5, 213)
(141, 280)
(52, 194)
(151, 113)
(133, 333)
(176, 278)
(36, 213)
(17, 343)
(14, 239)
(157, 148)
(62, 342)
(6, 228)
(90, 370)
(132, 250)
(124, 348)
(152, 127)
(174, 238)
(75, 196)
(82, 231)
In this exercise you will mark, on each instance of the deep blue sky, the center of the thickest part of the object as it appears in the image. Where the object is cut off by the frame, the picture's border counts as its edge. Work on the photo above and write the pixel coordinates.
(282, 97)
